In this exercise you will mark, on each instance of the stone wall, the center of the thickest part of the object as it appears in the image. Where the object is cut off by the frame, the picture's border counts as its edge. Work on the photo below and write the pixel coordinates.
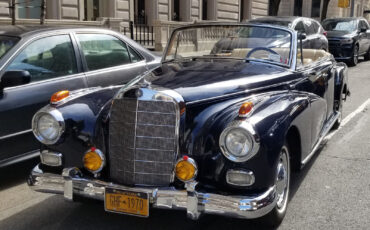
(70, 9)
(228, 10)
(196, 9)
(4, 12)
(259, 8)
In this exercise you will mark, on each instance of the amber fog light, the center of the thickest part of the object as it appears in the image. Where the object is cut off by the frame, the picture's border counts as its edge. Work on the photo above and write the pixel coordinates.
(186, 169)
(94, 160)
(240, 177)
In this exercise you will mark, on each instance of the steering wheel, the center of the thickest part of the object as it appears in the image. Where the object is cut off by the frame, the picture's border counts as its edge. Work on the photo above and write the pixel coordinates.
(260, 48)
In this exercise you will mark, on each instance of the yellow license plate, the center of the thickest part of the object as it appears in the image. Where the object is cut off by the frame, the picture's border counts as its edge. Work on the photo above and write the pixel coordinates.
(127, 202)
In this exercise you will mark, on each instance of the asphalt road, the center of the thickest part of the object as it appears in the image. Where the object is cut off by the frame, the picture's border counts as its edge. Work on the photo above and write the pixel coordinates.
(331, 192)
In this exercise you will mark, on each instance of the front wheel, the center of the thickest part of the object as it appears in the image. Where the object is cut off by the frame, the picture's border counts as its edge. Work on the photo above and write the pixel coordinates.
(276, 216)
(354, 59)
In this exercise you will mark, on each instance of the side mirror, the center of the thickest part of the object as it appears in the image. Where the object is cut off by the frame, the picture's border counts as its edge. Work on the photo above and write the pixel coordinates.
(15, 78)
(363, 30)
(302, 36)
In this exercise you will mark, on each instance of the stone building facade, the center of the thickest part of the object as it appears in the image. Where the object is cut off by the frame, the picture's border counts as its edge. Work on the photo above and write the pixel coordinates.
(163, 15)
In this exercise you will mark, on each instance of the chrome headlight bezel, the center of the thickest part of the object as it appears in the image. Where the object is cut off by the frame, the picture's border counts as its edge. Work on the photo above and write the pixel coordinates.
(248, 130)
(57, 116)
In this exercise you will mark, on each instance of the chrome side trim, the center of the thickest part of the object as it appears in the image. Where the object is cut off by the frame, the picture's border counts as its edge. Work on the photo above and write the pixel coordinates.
(20, 158)
(16, 134)
(325, 131)
(71, 183)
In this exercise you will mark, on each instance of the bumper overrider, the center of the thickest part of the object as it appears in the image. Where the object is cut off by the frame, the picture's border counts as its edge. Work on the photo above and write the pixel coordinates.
(72, 184)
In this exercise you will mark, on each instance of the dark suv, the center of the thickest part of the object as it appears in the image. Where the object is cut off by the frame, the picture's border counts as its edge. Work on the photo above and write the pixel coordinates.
(348, 38)
(315, 34)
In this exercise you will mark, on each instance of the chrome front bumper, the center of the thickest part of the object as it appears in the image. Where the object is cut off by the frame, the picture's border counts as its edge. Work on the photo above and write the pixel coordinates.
(71, 184)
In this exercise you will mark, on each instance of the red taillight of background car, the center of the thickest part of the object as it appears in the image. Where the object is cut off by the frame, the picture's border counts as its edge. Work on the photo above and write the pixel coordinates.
(325, 33)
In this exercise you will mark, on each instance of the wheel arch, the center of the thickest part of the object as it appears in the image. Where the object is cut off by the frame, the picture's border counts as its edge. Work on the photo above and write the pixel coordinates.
(293, 139)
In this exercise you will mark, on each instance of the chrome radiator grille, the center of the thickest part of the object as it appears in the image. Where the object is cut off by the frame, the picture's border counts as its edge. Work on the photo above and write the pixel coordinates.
(143, 143)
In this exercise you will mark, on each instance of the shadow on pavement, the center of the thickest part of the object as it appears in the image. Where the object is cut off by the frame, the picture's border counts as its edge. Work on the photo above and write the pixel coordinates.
(298, 177)
(56, 213)
(16, 174)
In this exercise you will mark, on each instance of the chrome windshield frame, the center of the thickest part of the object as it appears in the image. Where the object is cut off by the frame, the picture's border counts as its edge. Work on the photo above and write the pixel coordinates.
(293, 34)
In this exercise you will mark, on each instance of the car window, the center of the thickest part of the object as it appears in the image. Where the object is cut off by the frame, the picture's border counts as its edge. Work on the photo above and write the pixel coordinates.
(316, 27)
(300, 27)
(135, 57)
(364, 24)
(310, 29)
(103, 51)
(47, 58)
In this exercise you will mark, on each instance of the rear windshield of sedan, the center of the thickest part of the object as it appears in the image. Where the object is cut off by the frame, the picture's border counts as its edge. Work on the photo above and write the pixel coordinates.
(340, 25)
(279, 23)
(6, 43)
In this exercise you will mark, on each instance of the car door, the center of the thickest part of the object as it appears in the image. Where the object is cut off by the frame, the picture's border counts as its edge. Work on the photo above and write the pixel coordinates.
(108, 60)
(365, 36)
(321, 78)
(52, 64)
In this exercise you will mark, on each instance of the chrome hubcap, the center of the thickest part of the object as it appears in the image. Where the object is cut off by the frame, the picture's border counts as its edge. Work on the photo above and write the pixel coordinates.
(282, 180)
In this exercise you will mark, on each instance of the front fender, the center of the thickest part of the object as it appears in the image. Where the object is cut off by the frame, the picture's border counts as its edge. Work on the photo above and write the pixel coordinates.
(84, 118)
(275, 114)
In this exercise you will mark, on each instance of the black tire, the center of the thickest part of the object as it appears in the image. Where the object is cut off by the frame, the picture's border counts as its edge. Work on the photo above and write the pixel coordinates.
(276, 216)
(367, 55)
(354, 59)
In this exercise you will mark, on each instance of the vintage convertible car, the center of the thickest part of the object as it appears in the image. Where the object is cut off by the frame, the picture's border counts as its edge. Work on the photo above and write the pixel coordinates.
(206, 132)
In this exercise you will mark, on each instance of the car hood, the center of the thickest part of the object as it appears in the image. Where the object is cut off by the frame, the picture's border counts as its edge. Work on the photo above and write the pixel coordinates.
(340, 34)
(201, 80)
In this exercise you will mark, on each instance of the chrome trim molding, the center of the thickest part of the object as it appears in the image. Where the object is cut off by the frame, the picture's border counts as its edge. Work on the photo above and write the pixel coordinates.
(71, 183)
(56, 115)
(246, 127)
(23, 157)
(15, 134)
(246, 172)
(56, 155)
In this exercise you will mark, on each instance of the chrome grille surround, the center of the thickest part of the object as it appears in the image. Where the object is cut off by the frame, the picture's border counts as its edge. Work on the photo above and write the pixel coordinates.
(143, 137)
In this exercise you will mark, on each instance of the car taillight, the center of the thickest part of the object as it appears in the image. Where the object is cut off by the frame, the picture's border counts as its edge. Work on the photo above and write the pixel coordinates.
(325, 33)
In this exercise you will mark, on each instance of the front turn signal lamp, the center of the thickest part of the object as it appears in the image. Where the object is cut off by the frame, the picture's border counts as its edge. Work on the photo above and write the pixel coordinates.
(94, 160)
(245, 109)
(58, 96)
(186, 169)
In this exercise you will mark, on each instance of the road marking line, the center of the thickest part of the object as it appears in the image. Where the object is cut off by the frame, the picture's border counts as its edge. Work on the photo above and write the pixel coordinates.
(348, 118)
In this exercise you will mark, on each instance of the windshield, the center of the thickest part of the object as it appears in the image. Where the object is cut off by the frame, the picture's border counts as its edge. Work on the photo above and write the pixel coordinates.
(257, 43)
(348, 25)
(6, 43)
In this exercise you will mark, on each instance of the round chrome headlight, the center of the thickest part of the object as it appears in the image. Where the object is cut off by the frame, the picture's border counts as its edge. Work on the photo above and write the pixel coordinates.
(48, 126)
(238, 144)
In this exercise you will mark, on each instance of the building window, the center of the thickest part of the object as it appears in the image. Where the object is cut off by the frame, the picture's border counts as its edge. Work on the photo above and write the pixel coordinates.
(91, 10)
(204, 10)
(140, 13)
(176, 10)
(315, 9)
(29, 9)
(244, 10)
(298, 7)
